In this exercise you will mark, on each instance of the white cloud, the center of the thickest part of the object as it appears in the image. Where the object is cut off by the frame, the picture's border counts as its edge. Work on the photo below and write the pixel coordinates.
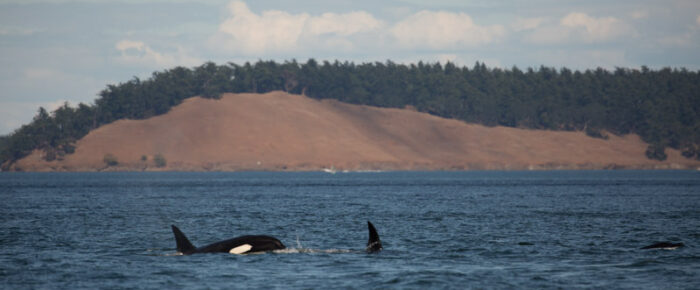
(272, 31)
(342, 24)
(275, 31)
(522, 24)
(278, 32)
(137, 52)
(126, 45)
(443, 30)
(595, 29)
(579, 27)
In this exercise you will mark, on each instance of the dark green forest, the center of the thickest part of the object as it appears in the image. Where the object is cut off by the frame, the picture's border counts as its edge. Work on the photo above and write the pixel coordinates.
(662, 106)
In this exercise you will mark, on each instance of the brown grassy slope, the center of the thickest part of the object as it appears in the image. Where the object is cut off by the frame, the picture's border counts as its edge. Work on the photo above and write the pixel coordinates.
(278, 131)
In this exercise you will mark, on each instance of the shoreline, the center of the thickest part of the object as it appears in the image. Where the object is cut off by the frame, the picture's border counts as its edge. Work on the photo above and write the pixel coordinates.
(473, 168)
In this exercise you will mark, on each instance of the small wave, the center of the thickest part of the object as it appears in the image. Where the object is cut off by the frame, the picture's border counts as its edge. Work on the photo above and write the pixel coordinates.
(640, 264)
(162, 252)
(301, 250)
(312, 251)
(282, 251)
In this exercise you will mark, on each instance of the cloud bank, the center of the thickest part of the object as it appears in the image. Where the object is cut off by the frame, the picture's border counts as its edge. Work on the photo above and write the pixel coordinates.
(272, 31)
(276, 31)
(139, 53)
(577, 27)
(443, 30)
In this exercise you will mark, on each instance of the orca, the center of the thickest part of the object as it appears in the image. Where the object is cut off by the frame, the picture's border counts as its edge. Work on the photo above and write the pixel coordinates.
(238, 245)
(254, 244)
(373, 244)
(664, 245)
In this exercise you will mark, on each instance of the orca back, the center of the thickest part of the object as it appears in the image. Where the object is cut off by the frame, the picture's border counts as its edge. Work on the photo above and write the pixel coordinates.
(184, 245)
(664, 245)
(373, 244)
(251, 244)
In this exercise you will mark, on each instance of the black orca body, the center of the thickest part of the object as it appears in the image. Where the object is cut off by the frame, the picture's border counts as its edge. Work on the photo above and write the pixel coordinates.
(373, 244)
(238, 245)
(664, 245)
(254, 244)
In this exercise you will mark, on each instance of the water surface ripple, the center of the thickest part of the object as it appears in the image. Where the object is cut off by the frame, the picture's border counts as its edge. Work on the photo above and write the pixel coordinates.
(545, 229)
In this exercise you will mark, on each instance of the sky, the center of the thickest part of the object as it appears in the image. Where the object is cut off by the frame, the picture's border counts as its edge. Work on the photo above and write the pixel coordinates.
(56, 51)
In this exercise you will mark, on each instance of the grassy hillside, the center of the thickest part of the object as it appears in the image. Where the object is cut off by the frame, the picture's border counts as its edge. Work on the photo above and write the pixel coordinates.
(662, 106)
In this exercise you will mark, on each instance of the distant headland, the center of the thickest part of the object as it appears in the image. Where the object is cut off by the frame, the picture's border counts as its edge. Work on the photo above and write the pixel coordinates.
(278, 131)
(371, 116)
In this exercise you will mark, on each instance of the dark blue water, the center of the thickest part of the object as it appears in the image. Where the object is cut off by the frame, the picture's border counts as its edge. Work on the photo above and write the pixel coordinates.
(559, 229)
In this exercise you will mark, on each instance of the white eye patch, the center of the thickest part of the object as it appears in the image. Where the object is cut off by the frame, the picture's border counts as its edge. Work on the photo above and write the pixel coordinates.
(240, 249)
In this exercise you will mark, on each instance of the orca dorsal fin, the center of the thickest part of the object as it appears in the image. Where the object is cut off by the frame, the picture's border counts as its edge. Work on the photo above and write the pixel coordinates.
(373, 244)
(183, 244)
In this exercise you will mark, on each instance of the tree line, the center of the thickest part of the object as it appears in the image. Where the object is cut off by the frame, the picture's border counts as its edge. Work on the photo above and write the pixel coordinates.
(662, 106)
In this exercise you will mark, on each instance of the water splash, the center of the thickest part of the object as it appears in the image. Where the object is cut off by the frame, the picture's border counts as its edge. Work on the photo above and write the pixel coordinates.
(313, 251)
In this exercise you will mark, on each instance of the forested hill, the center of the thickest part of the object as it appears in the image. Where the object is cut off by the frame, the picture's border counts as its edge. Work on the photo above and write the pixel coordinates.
(662, 106)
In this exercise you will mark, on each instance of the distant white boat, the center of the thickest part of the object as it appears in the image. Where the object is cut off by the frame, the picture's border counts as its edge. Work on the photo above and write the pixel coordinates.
(330, 170)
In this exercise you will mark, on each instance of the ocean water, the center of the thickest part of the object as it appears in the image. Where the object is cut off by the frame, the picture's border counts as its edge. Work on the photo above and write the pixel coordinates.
(542, 229)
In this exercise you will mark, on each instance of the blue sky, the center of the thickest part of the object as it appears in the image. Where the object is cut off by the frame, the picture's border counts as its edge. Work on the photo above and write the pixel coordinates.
(53, 51)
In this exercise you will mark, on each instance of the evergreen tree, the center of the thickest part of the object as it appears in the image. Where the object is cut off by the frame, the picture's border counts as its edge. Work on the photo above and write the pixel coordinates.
(662, 106)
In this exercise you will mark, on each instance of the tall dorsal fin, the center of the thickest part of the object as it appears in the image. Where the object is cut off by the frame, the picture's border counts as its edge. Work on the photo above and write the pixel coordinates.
(373, 244)
(183, 244)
